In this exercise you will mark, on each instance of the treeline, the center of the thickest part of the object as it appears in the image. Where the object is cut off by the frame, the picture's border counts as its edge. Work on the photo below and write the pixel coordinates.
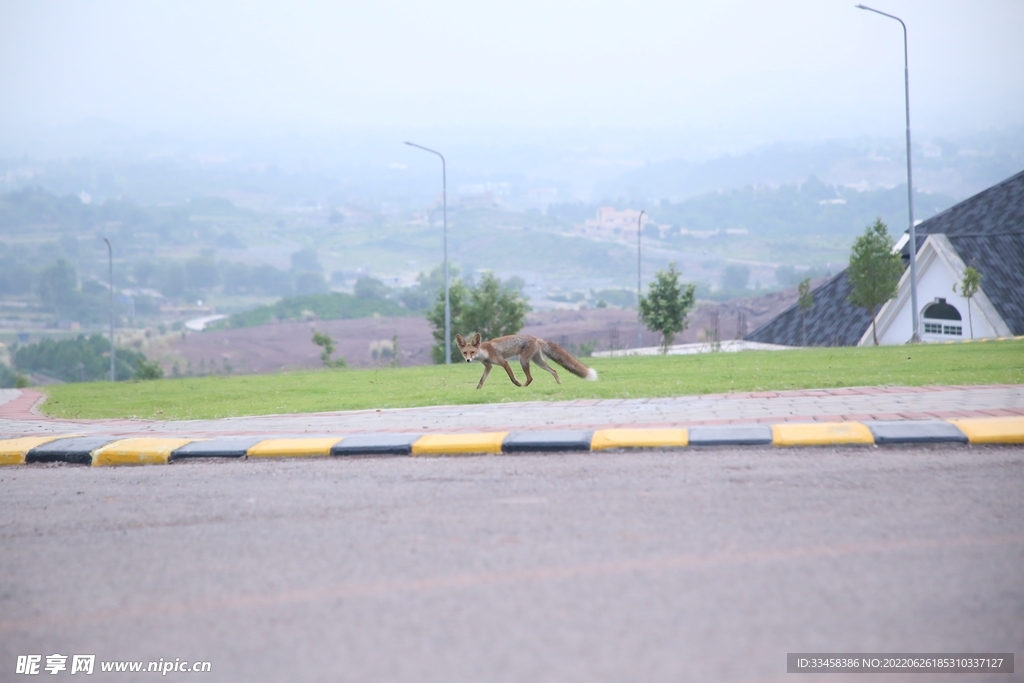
(198, 276)
(132, 225)
(137, 233)
(370, 296)
(808, 208)
(61, 291)
(83, 359)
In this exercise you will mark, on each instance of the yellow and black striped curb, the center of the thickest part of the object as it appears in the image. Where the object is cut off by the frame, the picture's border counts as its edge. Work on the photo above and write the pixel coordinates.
(97, 451)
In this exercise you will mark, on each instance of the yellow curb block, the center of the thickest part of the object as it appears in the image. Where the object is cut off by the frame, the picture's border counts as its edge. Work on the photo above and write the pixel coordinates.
(638, 438)
(13, 451)
(821, 434)
(440, 444)
(303, 447)
(137, 451)
(991, 429)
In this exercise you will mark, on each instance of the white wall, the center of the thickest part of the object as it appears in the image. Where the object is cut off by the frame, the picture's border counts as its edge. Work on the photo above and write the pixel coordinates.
(938, 268)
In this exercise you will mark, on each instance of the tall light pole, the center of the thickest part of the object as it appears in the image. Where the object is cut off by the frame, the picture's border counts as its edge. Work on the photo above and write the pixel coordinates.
(110, 264)
(639, 225)
(447, 295)
(916, 337)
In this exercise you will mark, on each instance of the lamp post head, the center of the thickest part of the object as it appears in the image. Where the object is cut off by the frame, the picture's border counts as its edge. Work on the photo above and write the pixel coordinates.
(884, 14)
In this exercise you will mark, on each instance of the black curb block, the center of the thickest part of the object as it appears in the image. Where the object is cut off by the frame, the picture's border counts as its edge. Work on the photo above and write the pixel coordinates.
(225, 447)
(915, 431)
(76, 450)
(538, 442)
(375, 444)
(731, 435)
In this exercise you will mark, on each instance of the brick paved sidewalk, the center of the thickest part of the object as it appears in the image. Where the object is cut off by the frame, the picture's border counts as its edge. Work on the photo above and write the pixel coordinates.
(18, 417)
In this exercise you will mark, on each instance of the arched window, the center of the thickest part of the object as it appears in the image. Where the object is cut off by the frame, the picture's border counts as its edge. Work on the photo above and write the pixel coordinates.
(942, 318)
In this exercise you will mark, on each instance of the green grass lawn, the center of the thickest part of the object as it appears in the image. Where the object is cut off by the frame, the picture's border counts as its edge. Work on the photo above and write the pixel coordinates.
(633, 377)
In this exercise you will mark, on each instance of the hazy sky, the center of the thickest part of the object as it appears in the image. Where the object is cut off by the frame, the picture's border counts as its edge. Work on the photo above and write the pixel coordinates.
(783, 69)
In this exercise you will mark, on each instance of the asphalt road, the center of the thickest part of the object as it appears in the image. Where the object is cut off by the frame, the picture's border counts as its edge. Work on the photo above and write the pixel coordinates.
(697, 565)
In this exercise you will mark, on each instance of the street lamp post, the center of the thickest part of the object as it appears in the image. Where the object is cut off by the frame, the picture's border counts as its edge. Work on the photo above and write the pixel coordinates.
(639, 225)
(916, 337)
(110, 264)
(447, 295)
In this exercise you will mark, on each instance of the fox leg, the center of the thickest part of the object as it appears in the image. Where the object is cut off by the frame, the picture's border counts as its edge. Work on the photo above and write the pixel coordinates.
(487, 371)
(524, 361)
(538, 358)
(511, 375)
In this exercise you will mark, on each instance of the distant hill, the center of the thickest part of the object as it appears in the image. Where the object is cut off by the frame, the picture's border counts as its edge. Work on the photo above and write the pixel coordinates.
(808, 208)
(960, 168)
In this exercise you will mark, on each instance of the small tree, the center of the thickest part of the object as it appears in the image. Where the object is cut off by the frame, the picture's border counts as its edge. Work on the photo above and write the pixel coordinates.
(327, 344)
(806, 303)
(492, 308)
(148, 369)
(874, 271)
(665, 307)
(969, 286)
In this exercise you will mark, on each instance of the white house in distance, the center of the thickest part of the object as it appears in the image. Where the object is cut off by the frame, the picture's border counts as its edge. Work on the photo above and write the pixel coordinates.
(985, 231)
(611, 223)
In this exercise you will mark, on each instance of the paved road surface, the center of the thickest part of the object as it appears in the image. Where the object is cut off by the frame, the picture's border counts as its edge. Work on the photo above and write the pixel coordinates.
(696, 565)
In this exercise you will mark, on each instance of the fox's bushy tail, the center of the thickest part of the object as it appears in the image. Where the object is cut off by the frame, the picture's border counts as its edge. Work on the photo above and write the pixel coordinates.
(567, 360)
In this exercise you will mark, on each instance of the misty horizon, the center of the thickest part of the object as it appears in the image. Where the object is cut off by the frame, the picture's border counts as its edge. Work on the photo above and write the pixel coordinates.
(738, 74)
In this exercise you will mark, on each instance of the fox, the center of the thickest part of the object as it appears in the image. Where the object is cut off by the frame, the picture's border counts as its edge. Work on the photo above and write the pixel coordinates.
(524, 346)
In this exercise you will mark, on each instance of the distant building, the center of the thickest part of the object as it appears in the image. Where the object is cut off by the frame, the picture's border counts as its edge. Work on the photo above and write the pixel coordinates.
(985, 231)
(611, 223)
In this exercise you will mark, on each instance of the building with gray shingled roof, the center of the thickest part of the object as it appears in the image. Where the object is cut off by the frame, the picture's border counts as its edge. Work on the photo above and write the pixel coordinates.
(985, 231)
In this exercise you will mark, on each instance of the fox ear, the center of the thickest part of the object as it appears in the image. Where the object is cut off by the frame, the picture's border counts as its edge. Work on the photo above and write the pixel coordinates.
(476, 339)
(460, 340)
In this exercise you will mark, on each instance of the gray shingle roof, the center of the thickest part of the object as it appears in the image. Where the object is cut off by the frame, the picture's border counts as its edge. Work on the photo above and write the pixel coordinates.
(987, 231)
(832, 321)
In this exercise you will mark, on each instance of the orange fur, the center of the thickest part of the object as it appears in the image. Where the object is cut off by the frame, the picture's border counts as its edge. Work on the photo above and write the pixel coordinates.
(525, 347)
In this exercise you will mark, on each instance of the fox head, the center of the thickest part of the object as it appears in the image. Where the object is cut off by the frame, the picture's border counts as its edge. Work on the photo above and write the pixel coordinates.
(470, 348)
